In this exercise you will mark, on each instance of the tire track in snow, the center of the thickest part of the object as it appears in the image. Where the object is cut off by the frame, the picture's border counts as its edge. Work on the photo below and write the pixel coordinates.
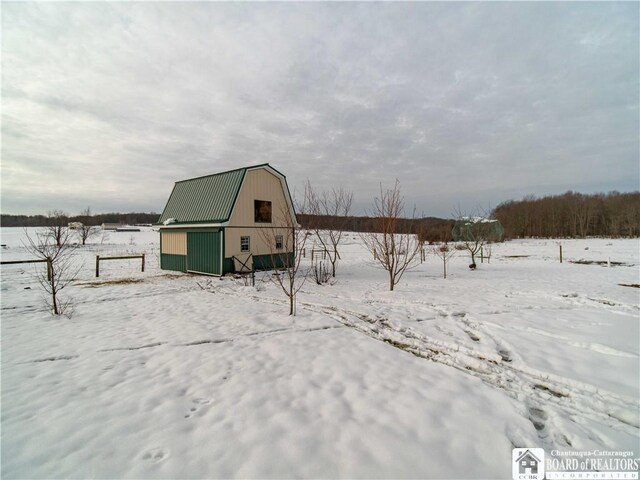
(535, 388)
(496, 370)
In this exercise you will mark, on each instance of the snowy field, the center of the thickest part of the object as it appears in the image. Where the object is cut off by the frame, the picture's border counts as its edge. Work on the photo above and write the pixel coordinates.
(166, 375)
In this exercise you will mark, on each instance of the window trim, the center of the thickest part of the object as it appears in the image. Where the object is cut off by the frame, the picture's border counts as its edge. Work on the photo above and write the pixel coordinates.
(243, 247)
(256, 210)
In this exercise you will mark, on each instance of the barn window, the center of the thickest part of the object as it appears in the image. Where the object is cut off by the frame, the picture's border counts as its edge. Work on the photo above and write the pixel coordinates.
(279, 242)
(262, 211)
(245, 244)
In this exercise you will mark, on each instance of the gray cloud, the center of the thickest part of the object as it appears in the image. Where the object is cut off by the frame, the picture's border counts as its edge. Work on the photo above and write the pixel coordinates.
(107, 104)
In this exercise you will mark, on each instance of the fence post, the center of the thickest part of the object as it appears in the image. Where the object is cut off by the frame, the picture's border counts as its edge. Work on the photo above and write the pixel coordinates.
(143, 262)
(97, 266)
(481, 255)
(560, 253)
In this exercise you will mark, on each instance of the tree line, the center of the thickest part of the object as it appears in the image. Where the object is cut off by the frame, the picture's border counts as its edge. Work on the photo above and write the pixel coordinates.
(571, 215)
(429, 229)
(96, 219)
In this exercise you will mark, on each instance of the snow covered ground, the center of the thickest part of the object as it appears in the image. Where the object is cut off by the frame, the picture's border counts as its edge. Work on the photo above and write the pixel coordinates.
(165, 375)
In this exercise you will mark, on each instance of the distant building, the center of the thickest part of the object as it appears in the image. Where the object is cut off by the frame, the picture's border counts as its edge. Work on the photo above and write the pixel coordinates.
(75, 225)
(224, 222)
(111, 226)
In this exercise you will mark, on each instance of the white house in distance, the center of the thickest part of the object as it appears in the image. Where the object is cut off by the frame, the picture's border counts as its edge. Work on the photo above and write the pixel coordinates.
(212, 224)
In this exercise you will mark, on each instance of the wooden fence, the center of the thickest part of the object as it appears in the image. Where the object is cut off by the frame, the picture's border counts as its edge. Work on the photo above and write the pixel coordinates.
(44, 260)
(315, 253)
(124, 257)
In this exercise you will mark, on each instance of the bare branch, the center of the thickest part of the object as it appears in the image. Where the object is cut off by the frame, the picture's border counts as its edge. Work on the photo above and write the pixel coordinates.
(394, 251)
(62, 267)
(286, 243)
(444, 252)
(86, 231)
(335, 208)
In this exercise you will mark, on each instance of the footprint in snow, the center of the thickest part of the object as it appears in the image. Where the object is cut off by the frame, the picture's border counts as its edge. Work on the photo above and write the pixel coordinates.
(198, 403)
(472, 335)
(155, 455)
(538, 418)
(505, 354)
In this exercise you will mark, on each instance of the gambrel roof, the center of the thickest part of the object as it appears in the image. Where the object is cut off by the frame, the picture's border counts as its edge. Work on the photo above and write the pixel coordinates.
(210, 199)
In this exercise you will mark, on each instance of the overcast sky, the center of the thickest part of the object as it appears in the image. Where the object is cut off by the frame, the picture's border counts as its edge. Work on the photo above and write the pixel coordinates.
(466, 104)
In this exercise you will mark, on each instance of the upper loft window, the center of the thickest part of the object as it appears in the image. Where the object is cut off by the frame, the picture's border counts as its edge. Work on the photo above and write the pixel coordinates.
(262, 211)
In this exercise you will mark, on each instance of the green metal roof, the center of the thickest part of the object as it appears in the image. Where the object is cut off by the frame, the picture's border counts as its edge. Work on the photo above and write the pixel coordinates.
(207, 199)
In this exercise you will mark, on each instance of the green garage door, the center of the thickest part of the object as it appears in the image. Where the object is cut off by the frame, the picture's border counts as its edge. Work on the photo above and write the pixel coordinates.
(204, 252)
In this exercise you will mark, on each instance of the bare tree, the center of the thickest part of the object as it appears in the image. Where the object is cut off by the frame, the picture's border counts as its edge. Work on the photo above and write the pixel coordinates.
(319, 271)
(57, 226)
(335, 206)
(444, 252)
(396, 251)
(286, 242)
(422, 240)
(61, 269)
(86, 231)
(474, 232)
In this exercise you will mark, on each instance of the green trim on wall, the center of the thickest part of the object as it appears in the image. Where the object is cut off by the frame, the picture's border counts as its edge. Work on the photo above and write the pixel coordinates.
(261, 262)
(227, 266)
(269, 262)
(177, 263)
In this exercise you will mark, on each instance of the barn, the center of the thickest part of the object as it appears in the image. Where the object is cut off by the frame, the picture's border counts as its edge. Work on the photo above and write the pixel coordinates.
(231, 221)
